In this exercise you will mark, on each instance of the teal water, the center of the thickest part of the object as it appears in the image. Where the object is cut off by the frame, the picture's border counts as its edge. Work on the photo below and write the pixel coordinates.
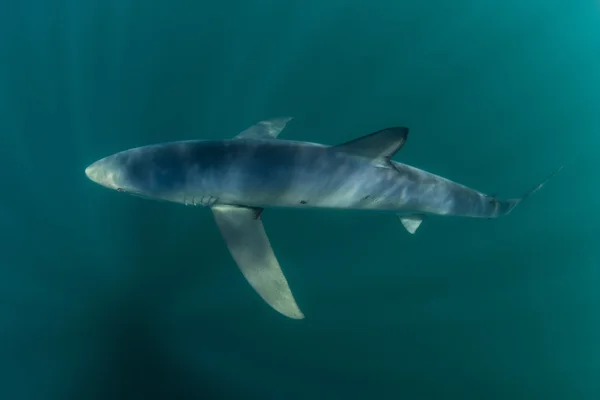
(114, 297)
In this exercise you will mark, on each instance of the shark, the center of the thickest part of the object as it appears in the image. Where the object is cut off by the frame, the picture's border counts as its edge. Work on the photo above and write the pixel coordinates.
(238, 178)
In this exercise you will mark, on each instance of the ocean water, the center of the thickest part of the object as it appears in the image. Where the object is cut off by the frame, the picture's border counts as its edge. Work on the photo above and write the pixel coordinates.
(106, 296)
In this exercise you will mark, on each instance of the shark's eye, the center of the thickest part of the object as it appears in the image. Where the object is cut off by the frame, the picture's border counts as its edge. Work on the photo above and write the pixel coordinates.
(120, 190)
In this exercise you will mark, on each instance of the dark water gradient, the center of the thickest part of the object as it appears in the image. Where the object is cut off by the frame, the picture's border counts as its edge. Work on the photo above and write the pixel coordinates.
(113, 297)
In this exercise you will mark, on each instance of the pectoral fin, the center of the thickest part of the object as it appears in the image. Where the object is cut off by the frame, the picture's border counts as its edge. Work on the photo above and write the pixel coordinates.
(268, 129)
(250, 247)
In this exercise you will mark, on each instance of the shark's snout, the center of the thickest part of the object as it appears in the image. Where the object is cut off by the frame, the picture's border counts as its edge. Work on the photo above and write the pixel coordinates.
(91, 172)
(100, 173)
(104, 173)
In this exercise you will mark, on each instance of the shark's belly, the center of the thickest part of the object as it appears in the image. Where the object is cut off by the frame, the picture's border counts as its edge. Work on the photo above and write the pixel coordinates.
(340, 186)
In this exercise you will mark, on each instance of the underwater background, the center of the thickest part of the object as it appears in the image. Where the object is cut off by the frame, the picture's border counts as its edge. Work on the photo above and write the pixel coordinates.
(108, 296)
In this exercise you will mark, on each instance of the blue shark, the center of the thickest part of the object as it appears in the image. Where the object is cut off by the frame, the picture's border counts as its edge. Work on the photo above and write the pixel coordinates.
(239, 177)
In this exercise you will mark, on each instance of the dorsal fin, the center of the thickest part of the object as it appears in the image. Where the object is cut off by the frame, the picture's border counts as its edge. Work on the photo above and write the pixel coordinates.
(268, 129)
(380, 145)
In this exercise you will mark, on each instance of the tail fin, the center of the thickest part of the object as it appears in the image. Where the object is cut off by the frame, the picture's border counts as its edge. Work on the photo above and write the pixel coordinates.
(512, 203)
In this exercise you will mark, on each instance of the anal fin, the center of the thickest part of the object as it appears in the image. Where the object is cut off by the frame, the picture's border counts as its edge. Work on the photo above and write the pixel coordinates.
(411, 222)
(249, 245)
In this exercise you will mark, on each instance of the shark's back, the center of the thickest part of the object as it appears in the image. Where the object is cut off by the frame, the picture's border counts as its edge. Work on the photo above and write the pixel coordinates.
(284, 173)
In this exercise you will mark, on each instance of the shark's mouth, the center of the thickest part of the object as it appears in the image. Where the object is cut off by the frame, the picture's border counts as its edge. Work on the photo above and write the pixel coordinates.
(135, 193)
(200, 201)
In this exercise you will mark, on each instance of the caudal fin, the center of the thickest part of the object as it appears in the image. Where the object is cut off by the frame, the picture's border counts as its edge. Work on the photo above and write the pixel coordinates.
(512, 203)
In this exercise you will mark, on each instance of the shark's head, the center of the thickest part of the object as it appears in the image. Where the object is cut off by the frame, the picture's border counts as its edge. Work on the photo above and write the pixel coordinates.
(155, 171)
(106, 172)
(111, 172)
(127, 171)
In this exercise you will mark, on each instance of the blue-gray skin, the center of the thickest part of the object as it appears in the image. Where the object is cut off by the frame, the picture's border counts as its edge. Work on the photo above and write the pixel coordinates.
(240, 177)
